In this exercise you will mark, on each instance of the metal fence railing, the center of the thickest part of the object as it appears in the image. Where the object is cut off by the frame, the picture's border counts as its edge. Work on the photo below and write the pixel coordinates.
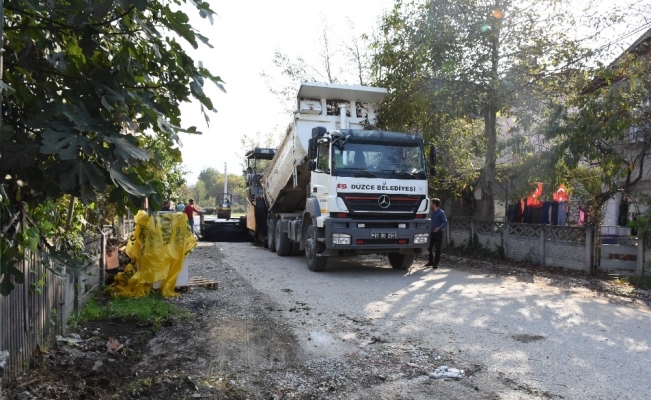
(39, 308)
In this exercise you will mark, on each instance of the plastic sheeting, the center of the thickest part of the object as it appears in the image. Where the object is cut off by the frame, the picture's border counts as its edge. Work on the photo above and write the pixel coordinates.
(157, 249)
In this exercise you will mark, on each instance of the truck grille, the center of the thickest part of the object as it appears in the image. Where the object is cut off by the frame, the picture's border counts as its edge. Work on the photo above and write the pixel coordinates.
(381, 203)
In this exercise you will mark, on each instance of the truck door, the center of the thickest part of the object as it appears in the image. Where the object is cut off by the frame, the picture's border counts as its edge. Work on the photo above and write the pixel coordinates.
(319, 184)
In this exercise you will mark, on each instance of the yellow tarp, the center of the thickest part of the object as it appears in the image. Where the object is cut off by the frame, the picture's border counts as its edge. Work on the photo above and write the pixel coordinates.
(157, 249)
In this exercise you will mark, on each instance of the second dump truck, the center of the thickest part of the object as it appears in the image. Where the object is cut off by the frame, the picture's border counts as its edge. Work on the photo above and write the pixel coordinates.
(337, 186)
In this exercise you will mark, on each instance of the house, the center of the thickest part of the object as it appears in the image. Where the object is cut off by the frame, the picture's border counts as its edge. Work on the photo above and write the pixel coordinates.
(629, 74)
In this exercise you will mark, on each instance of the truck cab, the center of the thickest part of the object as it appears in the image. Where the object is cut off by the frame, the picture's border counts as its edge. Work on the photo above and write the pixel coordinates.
(257, 160)
(368, 195)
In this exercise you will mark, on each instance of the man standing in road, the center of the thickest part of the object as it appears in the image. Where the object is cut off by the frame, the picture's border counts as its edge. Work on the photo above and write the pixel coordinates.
(189, 210)
(439, 223)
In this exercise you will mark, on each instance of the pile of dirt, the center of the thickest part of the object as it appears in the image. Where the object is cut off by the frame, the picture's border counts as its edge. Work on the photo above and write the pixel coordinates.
(92, 361)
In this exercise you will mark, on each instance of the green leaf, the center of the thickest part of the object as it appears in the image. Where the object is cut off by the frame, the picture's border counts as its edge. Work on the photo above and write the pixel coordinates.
(66, 144)
(100, 9)
(21, 154)
(106, 104)
(141, 5)
(178, 22)
(77, 174)
(126, 150)
(129, 183)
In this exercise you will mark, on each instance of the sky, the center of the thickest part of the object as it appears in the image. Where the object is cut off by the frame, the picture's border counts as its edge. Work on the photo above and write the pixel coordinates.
(245, 35)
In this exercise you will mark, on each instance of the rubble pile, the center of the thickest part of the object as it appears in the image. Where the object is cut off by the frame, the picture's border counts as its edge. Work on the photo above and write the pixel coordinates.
(94, 364)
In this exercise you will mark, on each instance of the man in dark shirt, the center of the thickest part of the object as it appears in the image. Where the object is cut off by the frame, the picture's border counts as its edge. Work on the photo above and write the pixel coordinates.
(439, 223)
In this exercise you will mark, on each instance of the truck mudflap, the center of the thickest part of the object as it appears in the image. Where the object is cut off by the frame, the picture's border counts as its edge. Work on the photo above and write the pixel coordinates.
(376, 236)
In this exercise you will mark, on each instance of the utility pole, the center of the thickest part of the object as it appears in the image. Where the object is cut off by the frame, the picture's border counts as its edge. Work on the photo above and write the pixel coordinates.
(225, 183)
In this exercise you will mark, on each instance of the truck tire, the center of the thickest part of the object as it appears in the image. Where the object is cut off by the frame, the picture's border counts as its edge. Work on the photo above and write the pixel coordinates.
(312, 248)
(282, 242)
(271, 234)
(401, 261)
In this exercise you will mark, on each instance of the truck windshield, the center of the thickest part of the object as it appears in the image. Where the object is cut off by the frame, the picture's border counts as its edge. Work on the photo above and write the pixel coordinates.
(377, 160)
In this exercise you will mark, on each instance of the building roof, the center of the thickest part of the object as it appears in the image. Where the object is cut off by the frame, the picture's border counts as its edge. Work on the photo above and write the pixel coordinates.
(641, 47)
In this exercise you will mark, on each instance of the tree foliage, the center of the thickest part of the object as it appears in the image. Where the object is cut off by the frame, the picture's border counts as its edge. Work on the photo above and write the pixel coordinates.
(91, 96)
(87, 79)
(607, 125)
(478, 61)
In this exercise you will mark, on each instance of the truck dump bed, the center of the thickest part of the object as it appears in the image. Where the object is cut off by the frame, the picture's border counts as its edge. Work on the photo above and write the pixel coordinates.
(286, 181)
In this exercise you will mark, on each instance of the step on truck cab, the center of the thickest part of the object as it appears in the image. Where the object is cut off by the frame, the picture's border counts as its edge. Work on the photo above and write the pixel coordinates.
(338, 186)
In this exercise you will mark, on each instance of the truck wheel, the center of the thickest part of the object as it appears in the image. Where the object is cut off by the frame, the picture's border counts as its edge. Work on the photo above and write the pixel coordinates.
(271, 234)
(401, 261)
(312, 247)
(283, 244)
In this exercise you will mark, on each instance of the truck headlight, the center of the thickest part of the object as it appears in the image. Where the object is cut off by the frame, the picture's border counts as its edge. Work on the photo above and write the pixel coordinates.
(340, 238)
(421, 238)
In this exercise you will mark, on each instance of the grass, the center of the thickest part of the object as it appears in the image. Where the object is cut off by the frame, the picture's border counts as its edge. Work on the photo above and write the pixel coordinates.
(153, 309)
(639, 282)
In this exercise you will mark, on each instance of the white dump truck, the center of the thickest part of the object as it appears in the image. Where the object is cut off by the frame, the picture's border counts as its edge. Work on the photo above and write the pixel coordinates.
(337, 186)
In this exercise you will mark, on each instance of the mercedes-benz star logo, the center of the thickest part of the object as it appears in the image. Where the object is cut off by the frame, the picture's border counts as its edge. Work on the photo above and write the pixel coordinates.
(384, 201)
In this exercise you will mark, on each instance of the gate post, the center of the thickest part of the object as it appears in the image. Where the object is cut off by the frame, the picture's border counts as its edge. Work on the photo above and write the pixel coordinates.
(541, 248)
(505, 239)
(640, 255)
(589, 250)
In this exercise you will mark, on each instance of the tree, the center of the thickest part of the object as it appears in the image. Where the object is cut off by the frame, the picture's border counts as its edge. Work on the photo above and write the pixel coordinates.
(210, 177)
(89, 87)
(478, 60)
(165, 165)
(349, 64)
(607, 125)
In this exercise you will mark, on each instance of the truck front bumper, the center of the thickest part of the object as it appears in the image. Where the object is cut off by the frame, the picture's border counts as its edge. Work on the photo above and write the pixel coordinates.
(345, 235)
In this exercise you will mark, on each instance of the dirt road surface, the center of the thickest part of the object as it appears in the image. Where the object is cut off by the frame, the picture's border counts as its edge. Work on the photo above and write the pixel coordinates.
(362, 330)
(525, 339)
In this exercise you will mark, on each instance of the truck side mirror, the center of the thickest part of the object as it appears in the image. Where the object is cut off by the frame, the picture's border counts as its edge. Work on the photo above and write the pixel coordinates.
(312, 165)
(311, 150)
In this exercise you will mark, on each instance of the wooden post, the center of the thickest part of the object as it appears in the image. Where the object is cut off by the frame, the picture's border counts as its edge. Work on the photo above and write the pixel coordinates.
(102, 259)
(71, 208)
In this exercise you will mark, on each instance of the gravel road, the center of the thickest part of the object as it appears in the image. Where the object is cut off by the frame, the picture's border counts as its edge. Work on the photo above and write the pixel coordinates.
(524, 338)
